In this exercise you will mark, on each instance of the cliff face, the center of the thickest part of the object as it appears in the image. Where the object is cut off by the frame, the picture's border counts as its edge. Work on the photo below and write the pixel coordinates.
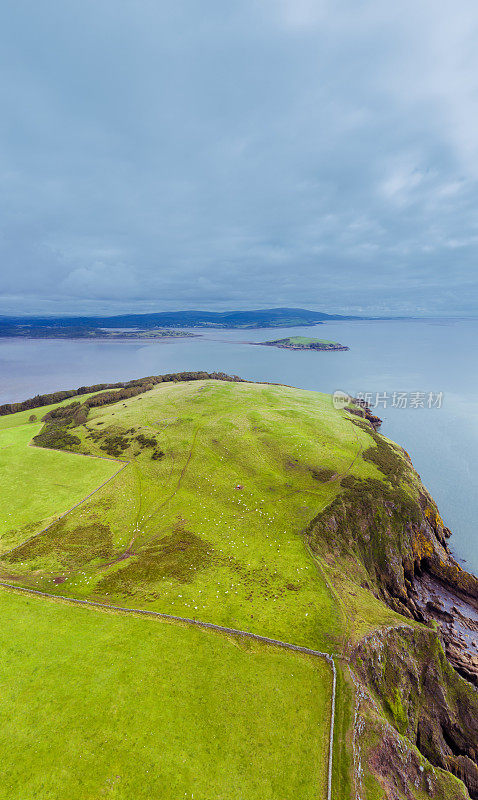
(399, 540)
(393, 530)
(395, 536)
(424, 699)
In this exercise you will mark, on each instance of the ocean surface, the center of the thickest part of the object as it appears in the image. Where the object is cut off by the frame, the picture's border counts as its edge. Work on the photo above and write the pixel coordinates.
(409, 358)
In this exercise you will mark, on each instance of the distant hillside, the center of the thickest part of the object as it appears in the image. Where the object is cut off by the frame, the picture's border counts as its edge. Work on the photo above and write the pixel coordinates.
(77, 326)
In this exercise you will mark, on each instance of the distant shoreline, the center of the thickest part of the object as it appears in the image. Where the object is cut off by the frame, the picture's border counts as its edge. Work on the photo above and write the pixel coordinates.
(102, 335)
(83, 327)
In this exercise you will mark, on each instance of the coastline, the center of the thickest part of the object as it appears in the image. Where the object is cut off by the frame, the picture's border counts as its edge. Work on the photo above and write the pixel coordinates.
(438, 590)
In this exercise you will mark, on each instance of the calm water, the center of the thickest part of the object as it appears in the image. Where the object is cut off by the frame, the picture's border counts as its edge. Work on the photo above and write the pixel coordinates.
(385, 357)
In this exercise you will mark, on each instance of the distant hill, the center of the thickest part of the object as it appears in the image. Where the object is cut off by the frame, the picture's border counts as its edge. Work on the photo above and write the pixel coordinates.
(264, 318)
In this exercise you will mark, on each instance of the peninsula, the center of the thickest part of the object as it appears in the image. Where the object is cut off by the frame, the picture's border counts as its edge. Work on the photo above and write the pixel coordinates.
(53, 331)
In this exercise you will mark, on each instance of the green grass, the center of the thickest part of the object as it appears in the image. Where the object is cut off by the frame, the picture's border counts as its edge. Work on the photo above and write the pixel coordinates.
(38, 485)
(100, 705)
(343, 752)
(308, 340)
(176, 534)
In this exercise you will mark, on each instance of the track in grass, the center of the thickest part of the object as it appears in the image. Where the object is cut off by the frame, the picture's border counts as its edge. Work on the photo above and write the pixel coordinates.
(218, 535)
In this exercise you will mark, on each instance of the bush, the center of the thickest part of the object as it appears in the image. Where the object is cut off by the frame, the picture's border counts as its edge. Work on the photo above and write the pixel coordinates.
(323, 474)
(56, 437)
(63, 412)
(81, 415)
(115, 445)
(145, 442)
(385, 458)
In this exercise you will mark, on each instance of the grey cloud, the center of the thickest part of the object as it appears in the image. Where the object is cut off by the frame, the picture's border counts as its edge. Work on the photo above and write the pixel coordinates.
(243, 154)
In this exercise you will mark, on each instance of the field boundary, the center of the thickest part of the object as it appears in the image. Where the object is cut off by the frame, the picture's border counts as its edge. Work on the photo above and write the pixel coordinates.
(209, 626)
(124, 464)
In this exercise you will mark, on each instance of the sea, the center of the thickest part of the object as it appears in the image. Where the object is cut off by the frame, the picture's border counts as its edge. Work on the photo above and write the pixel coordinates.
(420, 376)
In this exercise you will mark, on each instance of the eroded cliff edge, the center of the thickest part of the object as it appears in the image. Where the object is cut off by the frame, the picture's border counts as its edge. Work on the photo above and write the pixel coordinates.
(388, 535)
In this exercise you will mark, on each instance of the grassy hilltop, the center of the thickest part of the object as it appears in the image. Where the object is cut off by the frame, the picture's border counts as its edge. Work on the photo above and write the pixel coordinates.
(220, 502)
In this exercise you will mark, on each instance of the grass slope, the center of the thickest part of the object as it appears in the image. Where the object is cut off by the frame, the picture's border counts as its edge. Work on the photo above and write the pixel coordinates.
(106, 705)
(39, 484)
(213, 529)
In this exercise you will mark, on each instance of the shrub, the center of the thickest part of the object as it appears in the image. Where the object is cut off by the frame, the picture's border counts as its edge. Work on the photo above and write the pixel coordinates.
(323, 474)
(63, 412)
(81, 415)
(385, 458)
(115, 445)
(56, 437)
(145, 442)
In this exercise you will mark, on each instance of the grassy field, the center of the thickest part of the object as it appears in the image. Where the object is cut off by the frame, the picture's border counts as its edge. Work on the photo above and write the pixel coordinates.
(100, 705)
(38, 485)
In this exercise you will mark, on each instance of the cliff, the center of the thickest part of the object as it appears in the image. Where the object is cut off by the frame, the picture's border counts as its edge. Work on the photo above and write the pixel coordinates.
(422, 679)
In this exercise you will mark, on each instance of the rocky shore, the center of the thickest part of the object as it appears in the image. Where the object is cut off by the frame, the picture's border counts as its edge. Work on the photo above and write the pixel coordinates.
(456, 615)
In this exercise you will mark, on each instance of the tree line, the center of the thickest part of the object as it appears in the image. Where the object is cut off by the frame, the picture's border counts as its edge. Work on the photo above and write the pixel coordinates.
(106, 396)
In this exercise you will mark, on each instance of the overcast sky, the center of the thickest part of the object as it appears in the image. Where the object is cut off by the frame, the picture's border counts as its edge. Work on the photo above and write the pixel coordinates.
(211, 154)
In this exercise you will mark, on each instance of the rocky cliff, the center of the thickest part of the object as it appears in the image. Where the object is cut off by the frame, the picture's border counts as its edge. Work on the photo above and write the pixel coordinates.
(423, 677)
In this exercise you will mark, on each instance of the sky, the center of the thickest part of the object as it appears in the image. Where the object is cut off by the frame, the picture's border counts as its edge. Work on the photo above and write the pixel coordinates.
(229, 155)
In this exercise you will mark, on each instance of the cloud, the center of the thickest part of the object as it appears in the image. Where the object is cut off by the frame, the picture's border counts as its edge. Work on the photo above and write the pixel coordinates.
(242, 154)
(103, 281)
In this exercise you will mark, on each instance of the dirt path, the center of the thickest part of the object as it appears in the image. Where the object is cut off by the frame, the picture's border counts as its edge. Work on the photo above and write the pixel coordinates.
(181, 476)
(339, 475)
(218, 628)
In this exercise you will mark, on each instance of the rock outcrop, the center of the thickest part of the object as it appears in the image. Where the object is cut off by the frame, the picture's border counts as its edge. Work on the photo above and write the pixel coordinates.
(423, 698)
